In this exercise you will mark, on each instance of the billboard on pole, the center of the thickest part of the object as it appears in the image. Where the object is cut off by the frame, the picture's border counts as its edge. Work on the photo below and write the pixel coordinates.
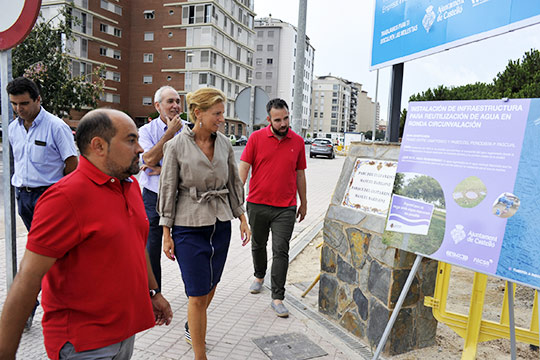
(408, 29)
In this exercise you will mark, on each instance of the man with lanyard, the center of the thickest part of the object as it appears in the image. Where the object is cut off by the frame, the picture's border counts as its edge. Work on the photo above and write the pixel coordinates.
(43, 149)
(152, 137)
(277, 158)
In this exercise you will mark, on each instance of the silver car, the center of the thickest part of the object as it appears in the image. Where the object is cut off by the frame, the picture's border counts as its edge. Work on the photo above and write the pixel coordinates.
(322, 147)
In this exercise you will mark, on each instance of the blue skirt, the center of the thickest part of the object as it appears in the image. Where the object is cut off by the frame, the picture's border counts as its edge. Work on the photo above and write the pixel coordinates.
(201, 253)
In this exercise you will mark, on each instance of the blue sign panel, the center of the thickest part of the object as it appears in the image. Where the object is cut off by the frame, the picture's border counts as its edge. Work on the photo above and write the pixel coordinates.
(407, 29)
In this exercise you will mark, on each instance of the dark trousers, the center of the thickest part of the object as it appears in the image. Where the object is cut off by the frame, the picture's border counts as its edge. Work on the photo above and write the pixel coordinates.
(26, 203)
(280, 220)
(155, 234)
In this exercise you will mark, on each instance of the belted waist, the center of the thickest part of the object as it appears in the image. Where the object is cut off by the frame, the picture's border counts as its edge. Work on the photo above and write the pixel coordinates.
(33, 189)
(200, 196)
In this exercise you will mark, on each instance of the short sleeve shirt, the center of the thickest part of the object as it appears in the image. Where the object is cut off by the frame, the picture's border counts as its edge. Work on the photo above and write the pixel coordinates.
(149, 135)
(40, 152)
(96, 293)
(273, 167)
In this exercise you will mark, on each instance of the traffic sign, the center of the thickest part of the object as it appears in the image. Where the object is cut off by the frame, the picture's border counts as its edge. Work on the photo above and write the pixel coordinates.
(18, 18)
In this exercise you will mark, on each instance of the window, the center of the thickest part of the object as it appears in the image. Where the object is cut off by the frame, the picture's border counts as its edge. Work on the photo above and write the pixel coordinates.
(259, 47)
(147, 79)
(149, 14)
(204, 56)
(269, 61)
(258, 75)
(116, 76)
(268, 89)
(147, 100)
(258, 61)
(269, 75)
(169, 78)
(102, 51)
(334, 108)
(117, 54)
(148, 58)
(270, 47)
(170, 34)
(334, 115)
(171, 12)
(103, 28)
(270, 33)
(149, 36)
(169, 56)
(116, 98)
(335, 87)
(260, 34)
(117, 32)
(334, 94)
(334, 101)
(315, 114)
(203, 78)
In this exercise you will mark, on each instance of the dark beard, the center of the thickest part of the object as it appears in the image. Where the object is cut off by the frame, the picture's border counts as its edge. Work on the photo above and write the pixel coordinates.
(281, 133)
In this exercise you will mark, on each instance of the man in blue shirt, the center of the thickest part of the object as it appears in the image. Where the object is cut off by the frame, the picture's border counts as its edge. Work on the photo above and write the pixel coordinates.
(43, 148)
(152, 137)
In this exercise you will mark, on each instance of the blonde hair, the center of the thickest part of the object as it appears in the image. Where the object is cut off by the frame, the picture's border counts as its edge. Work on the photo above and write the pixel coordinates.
(203, 99)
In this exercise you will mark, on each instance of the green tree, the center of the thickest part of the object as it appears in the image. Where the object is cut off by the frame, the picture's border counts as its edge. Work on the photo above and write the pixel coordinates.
(426, 188)
(41, 57)
(520, 78)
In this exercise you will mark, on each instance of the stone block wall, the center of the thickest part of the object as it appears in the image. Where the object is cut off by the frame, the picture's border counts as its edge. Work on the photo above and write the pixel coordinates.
(361, 278)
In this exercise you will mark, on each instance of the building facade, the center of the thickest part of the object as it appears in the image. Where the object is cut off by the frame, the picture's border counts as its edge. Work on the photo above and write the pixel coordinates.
(340, 106)
(275, 63)
(145, 44)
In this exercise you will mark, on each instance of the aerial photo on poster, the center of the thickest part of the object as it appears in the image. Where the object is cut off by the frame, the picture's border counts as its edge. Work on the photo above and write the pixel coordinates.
(468, 170)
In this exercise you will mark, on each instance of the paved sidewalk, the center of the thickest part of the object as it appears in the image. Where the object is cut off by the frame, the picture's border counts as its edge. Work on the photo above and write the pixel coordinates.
(235, 316)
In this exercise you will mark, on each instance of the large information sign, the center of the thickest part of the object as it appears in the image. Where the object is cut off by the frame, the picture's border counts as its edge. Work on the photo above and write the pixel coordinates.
(407, 29)
(476, 163)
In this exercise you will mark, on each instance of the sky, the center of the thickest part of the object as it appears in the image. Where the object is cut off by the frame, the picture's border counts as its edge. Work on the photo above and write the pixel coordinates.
(341, 33)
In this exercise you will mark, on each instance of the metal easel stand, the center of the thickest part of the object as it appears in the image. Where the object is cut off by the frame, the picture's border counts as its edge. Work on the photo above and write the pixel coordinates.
(399, 303)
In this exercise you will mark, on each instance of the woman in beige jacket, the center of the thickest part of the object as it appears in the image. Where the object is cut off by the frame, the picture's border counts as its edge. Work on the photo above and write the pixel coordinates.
(200, 192)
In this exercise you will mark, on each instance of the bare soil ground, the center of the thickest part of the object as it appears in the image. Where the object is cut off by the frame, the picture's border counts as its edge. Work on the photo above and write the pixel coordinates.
(449, 345)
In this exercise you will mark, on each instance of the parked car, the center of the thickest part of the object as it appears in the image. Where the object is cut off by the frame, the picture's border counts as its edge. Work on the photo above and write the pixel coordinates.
(308, 141)
(233, 139)
(322, 147)
(242, 141)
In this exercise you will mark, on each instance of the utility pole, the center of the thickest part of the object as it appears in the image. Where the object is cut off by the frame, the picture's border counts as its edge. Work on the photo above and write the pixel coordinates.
(298, 98)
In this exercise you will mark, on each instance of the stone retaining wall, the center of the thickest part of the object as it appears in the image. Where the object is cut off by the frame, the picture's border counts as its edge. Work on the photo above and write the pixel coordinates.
(361, 278)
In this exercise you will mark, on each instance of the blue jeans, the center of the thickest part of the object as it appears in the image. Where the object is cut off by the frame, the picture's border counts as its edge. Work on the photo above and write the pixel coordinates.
(26, 204)
(155, 234)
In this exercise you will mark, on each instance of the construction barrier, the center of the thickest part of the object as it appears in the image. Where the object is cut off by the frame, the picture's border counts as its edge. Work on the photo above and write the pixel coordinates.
(472, 328)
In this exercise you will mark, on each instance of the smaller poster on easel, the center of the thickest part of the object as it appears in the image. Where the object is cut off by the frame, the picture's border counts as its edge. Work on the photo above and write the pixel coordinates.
(409, 216)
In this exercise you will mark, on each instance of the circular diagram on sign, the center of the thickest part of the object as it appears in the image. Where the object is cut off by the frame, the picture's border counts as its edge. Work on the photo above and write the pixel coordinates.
(469, 192)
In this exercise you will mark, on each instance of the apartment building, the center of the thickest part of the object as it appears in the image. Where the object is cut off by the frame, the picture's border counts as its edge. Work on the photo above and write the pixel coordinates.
(275, 63)
(145, 44)
(340, 106)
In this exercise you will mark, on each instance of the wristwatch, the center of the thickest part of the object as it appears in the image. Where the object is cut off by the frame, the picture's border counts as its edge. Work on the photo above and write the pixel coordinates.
(154, 292)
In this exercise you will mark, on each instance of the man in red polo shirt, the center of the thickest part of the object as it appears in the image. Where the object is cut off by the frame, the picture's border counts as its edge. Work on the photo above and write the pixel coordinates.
(276, 156)
(87, 244)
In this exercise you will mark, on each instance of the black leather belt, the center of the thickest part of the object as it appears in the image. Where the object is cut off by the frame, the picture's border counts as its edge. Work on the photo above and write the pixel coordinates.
(33, 189)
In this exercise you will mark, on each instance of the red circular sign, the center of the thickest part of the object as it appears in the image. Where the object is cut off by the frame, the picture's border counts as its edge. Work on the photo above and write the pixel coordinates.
(17, 32)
